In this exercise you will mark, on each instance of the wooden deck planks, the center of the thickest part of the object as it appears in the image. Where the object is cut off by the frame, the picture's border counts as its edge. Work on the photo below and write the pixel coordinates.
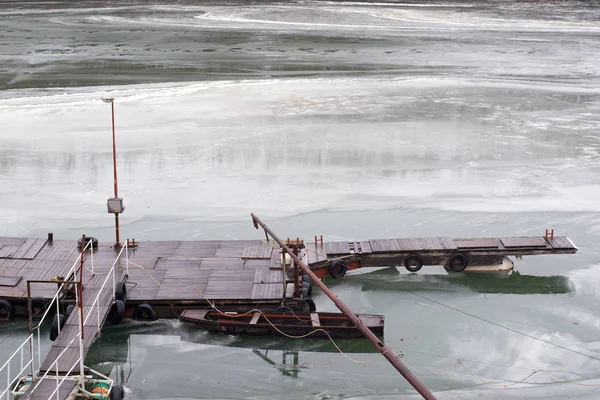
(384, 245)
(524, 242)
(337, 248)
(7, 251)
(365, 247)
(267, 291)
(560, 242)
(315, 253)
(483, 243)
(10, 280)
(267, 276)
(262, 251)
(235, 284)
(43, 389)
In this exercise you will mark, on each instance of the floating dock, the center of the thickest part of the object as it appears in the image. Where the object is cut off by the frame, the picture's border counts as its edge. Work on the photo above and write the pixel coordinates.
(471, 254)
(150, 280)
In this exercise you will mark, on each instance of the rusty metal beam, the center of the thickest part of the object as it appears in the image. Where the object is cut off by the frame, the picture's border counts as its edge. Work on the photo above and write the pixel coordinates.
(379, 345)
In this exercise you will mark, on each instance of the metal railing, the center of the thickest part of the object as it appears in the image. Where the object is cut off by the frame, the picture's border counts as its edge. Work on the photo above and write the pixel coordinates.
(79, 361)
(31, 338)
(10, 381)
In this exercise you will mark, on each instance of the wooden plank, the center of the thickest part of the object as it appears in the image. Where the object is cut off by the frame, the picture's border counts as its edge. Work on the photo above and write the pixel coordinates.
(337, 248)
(384, 245)
(193, 314)
(35, 249)
(523, 242)
(316, 253)
(267, 291)
(560, 243)
(314, 318)
(24, 248)
(275, 263)
(257, 264)
(8, 241)
(365, 247)
(447, 243)
(8, 251)
(255, 318)
(222, 263)
(10, 281)
(481, 243)
(262, 251)
(267, 276)
(43, 389)
(177, 263)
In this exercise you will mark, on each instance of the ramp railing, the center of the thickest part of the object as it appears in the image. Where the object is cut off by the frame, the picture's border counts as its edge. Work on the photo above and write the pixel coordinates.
(13, 373)
(61, 378)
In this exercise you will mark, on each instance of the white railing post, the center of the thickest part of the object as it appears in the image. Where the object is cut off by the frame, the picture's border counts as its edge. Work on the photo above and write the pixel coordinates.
(92, 253)
(127, 257)
(8, 382)
(39, 349)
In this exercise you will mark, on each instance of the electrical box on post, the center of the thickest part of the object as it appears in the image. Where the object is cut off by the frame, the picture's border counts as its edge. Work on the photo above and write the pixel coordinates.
(115, 205)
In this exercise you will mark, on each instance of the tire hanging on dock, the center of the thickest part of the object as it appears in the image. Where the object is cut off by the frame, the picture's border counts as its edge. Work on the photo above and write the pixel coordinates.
(58, 321)
(115, 315)
(337, 269)
(38, 307)
(88, 239)
(413, 262)
(121, 292)
(309, 305)
(306, 289)
(117, 392)
(6, 310)
(144, 312)
(69, 310)
(458, 262)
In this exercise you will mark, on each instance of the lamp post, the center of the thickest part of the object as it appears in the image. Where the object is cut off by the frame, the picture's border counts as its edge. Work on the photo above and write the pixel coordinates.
(115, 204)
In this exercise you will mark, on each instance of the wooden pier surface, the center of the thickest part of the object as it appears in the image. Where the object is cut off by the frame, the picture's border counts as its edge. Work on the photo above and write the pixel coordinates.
(168, 271)
(371, 250)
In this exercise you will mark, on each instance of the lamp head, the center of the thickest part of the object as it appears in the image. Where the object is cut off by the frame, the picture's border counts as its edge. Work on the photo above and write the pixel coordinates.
(108, 99)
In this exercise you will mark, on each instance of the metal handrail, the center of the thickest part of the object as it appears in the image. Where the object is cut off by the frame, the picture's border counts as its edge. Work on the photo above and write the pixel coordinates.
(96, 303)
(7, 364)
(40, 379)
(55, 298)
(110, 273)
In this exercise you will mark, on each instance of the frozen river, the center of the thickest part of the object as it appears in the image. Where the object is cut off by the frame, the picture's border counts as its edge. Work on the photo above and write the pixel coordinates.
(354, 120)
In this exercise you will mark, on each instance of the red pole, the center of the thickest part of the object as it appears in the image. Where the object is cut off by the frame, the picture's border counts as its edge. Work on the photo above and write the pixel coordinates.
(114, 142)
(379, 345)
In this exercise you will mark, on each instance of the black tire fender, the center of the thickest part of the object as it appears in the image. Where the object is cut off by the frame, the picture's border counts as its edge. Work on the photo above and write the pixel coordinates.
(284, 310)
(121, 292)
(413, 262)
(144, 312)
(6, 310)
(306, 289)
(69, 310)
(458, 262)
(115, 315)
(309, 305)
(58, 321)
(337, 269)
(38, 307)
(87, 240)
(117, 392)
